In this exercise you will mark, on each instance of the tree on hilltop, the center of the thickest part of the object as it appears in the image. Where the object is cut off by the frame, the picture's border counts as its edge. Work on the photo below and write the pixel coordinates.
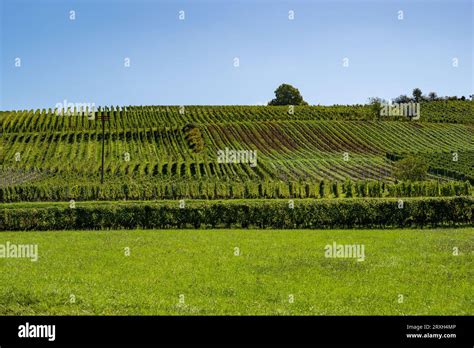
(432, 96)
(287, 95)
(417, 95)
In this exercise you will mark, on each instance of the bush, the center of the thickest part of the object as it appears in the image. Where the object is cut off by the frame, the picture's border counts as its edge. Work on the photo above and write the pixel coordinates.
(411, 168)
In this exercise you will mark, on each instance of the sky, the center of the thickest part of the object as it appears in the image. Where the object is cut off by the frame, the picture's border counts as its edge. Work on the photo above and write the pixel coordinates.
(230, 52)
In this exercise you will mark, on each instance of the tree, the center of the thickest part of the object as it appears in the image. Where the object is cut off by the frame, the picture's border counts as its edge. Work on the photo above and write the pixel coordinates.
(417, 95)
(402, 99)
(411, 168)
(376, 105)
(432, 96)
(287, 95)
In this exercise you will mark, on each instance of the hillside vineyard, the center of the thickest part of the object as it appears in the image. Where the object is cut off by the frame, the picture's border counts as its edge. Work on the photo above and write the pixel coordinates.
(171, 152)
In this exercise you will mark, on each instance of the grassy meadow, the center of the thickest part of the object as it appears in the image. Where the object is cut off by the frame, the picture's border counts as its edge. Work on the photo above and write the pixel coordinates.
(272, 272)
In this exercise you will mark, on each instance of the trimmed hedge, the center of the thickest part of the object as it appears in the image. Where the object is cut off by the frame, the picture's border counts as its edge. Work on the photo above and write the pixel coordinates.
(357, 213)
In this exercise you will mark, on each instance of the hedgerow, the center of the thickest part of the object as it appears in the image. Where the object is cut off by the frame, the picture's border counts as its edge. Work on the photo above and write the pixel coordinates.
(306, 214)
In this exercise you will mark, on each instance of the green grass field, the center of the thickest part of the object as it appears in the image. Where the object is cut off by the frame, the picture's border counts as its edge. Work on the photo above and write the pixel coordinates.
(276, 273)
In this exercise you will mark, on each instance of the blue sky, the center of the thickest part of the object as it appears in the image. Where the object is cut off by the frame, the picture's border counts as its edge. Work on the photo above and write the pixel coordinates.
(191, 61)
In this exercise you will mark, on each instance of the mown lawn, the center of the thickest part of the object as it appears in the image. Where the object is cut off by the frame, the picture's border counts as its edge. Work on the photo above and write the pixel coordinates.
(277, 272)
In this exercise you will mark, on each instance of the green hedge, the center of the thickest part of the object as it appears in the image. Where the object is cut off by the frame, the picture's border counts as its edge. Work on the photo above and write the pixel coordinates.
(355, 213)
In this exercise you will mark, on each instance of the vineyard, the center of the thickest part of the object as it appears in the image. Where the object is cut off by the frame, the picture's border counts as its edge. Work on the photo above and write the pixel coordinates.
(166, 152)
(133, 117)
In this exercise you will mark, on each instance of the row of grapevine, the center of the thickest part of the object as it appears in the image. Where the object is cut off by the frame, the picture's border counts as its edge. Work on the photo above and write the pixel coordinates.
(178, 116)
(206, 189)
